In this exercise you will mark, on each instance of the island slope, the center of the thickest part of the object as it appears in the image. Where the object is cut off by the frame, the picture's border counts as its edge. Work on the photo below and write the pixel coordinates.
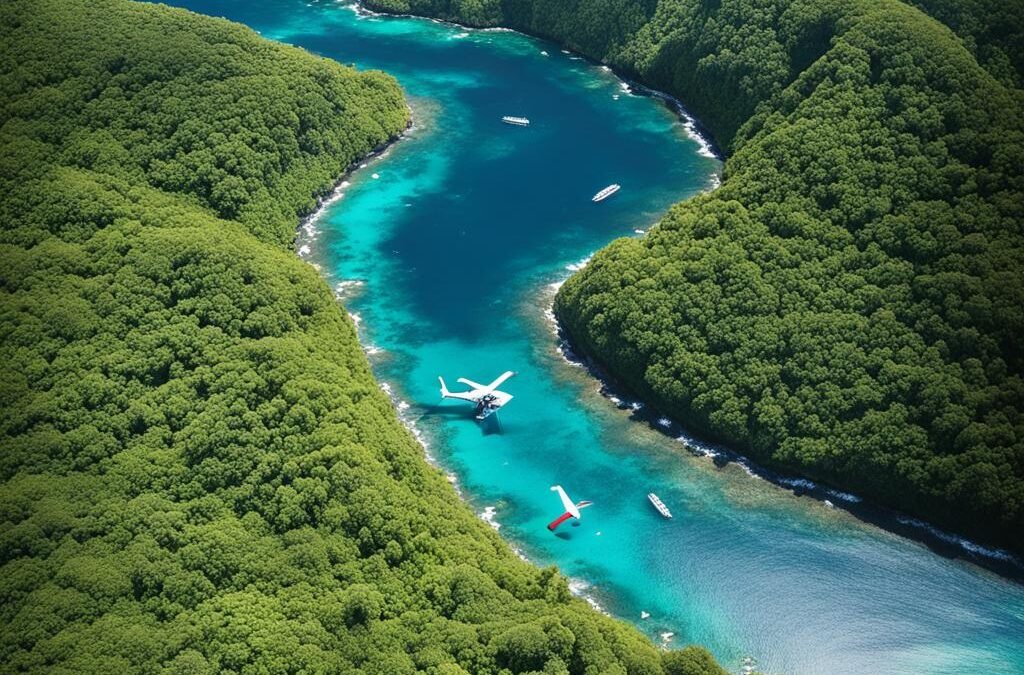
(199, 472)
(849, 305)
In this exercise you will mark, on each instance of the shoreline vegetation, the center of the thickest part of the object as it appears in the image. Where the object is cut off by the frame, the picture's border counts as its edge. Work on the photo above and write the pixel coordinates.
(946, 544)
(847, 306)
(199, 472)
(327, 196)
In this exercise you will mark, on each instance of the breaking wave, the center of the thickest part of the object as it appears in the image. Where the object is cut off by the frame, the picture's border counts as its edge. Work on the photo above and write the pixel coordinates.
(965, 544)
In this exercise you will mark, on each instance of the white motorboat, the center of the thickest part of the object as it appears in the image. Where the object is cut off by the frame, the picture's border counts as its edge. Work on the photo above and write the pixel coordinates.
(659, 505)
(606, 193)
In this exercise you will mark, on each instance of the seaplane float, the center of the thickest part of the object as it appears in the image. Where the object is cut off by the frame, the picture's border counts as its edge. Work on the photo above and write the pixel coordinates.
(572, 509)
(486, 398)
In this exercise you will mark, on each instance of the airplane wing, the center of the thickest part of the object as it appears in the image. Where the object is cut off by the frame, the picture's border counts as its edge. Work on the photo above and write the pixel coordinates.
(559, 520)
(497, 383)
(470, 383)
(570, 507)
(501, 398)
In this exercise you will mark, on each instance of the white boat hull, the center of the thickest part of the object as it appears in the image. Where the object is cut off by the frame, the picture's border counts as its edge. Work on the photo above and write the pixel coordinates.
(659, 505)
(605, 193)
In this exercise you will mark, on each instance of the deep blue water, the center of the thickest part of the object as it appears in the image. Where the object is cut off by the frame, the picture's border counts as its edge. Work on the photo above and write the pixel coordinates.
(448, 249)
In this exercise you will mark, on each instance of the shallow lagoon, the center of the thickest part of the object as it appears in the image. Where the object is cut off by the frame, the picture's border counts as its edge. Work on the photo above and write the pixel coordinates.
(448, 249)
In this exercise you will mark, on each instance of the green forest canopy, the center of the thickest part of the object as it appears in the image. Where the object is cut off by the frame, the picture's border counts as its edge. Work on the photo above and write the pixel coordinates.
(199, 473)
(849, 304)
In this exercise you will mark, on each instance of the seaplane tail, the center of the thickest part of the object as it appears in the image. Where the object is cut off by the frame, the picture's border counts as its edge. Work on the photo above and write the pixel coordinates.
(464, 395)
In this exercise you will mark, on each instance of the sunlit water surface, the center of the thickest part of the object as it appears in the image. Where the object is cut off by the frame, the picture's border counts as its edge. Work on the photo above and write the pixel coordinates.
(447, 250)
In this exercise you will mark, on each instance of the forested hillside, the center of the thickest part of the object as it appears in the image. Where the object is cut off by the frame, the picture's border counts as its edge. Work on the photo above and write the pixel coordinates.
(992, 30)
(199, 473)
(849, 305)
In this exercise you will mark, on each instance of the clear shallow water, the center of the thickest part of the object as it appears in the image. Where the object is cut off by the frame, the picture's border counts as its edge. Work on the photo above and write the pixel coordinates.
(448, 258)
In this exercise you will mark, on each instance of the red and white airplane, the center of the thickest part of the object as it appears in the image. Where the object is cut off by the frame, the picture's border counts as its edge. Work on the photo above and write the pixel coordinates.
(571, 510)
(487, 398)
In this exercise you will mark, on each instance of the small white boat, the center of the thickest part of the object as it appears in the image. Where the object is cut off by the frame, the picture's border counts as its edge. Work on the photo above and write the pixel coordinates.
(518, 121)
(658, 504)
(606, 193)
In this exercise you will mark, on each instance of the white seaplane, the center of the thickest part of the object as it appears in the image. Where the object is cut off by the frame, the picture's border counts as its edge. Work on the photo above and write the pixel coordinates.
(572, 510)
(487, 398)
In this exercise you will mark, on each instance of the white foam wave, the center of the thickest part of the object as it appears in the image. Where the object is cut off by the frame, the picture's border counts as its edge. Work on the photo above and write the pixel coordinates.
(347, 288)
(488, 516)
(801, 483)
(664, 422)
(304, 250)
(704, 147)
(966, 544)
(579, 588)
(401, 408)
(577, 266)
(844, 496)
(699, 447)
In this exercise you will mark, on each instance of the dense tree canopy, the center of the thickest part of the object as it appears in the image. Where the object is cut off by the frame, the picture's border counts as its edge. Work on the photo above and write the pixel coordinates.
(199, 473)
(850, 303)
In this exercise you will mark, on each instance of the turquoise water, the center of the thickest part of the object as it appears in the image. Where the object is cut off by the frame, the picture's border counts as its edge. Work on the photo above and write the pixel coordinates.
(448, 250)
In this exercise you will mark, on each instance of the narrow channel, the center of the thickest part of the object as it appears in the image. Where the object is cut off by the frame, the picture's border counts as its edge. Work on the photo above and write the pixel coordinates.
(447, 250)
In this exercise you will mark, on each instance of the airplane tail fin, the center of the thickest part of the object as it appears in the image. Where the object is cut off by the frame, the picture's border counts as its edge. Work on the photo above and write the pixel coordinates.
(558, 521)
(444, 389)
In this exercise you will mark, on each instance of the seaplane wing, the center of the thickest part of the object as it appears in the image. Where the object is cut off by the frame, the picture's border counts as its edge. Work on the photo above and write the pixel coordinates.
(497, 383)
(470, 383)
(501, 398)
(570, 506)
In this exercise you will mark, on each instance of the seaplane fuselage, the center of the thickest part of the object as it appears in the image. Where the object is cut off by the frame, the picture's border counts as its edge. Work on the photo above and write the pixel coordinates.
(486, 398)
